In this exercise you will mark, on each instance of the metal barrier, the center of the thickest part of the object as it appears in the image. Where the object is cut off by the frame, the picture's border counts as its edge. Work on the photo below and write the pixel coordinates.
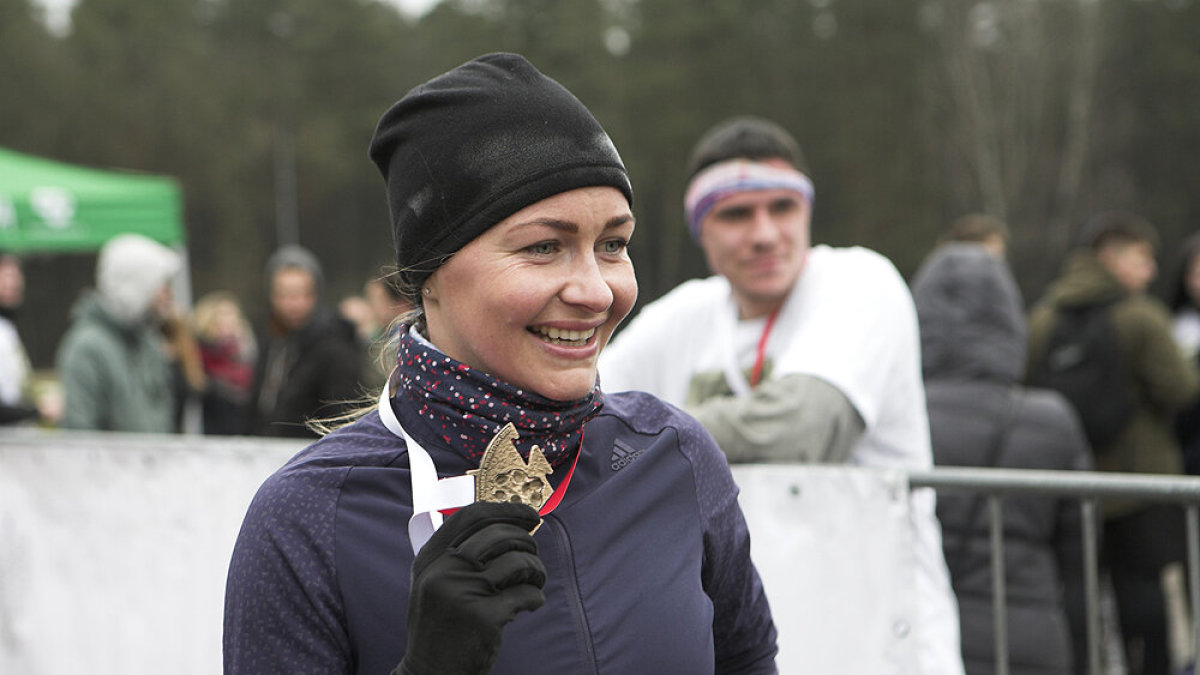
(1089, 488)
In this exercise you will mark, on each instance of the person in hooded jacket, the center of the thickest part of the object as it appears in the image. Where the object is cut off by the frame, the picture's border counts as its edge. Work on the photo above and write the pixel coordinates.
(118, 361)
(973, 346)
(308, 359)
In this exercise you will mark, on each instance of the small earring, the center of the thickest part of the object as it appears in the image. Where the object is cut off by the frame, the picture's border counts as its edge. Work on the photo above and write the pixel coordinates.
(426, 290)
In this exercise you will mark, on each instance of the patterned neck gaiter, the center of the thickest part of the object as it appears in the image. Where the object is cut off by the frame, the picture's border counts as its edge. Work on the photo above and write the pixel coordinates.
(467, 407)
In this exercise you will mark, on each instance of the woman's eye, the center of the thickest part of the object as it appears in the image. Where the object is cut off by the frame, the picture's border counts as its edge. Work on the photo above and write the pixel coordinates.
(543, 248)
(615, 245)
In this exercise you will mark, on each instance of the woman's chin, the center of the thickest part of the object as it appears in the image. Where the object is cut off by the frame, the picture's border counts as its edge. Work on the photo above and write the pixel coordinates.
(565, 389)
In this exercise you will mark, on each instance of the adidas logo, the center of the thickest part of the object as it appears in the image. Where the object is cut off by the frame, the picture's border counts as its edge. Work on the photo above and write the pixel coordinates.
(623, 455)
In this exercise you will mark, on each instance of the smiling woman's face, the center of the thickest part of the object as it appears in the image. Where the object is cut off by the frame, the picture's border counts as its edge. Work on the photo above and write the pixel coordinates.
(534, 299)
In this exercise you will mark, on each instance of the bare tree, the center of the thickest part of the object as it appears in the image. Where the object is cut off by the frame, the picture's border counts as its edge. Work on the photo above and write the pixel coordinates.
(1020, 80)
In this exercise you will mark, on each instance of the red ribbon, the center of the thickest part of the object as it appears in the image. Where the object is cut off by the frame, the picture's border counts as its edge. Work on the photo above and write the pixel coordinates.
(760, 353)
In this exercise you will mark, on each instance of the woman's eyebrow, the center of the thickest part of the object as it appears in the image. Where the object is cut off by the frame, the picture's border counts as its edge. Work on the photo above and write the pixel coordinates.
(571, 227)
(618, 221)
(561, 225)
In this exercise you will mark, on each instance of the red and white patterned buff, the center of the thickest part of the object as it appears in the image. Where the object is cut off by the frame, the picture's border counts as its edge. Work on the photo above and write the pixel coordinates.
(467, 406)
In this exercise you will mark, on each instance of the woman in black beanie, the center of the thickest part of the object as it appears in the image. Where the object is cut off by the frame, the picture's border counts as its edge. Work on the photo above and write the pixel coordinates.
(497, 492)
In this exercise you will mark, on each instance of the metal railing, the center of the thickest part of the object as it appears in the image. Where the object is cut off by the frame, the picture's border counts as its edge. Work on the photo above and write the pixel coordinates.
(1089, 488)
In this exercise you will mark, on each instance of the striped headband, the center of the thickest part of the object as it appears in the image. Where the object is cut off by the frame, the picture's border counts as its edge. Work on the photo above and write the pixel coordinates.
(737, 175)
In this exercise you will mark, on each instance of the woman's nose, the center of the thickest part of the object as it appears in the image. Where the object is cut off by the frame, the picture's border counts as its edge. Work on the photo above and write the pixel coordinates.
(587, 286)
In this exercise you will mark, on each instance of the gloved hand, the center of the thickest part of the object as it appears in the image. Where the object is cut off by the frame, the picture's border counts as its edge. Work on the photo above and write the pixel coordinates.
(469, 580)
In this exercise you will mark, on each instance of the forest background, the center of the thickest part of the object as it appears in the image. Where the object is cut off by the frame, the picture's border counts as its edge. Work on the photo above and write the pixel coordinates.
(910, 113)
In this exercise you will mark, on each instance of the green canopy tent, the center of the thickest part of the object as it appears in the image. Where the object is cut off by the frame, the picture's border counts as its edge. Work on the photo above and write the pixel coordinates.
(57, 215)
(49, 207)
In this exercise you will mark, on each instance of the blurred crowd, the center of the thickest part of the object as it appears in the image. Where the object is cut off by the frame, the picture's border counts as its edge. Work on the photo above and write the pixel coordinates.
(135, 360)
(1097, 375)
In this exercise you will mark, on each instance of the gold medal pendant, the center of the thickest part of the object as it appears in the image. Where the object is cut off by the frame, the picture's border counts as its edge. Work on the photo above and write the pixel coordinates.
(503, 476)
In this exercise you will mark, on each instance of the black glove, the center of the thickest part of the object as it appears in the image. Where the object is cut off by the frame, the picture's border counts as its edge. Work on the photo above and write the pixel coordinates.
(469, 580)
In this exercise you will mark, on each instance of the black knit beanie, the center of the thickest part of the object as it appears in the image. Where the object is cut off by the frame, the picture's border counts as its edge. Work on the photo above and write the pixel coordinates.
(475, 145)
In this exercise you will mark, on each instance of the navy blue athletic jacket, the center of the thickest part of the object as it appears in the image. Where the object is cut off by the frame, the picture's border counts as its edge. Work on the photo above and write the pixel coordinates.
(647, 557)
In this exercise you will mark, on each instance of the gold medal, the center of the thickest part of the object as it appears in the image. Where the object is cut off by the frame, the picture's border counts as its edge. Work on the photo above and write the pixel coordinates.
(503, 476)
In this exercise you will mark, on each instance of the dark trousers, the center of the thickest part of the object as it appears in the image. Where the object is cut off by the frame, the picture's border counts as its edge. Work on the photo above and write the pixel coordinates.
(1137, 547)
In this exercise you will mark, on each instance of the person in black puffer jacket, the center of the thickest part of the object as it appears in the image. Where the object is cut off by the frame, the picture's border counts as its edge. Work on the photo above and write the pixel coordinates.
(973, 343)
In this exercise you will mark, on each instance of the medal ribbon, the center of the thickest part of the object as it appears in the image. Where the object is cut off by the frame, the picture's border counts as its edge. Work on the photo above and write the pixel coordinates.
(434, 498)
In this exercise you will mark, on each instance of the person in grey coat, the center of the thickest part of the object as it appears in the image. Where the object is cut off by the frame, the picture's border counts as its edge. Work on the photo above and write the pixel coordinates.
(973, 344)
(118, 361)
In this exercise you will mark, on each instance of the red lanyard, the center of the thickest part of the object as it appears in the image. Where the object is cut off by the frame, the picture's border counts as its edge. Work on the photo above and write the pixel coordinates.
(561, 490)
(760, 352)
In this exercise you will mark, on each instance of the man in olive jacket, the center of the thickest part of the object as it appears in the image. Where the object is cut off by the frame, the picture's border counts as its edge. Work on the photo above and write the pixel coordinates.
(1114, 268)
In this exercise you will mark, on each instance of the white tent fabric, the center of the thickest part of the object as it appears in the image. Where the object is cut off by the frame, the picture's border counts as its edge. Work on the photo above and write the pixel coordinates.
(114, 548)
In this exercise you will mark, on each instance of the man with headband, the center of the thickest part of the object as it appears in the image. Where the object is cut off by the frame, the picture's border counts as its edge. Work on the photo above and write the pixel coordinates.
(791, 352)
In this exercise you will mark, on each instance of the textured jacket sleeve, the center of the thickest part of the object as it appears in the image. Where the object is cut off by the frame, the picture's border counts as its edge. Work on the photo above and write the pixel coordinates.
(282, 607)
(1040, 323)
(1168, 380)
(795, 418)
(743, 631)
(85, 384)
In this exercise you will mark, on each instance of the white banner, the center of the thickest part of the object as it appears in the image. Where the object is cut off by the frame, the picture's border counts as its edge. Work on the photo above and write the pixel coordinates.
(833, 545)
(114, 548)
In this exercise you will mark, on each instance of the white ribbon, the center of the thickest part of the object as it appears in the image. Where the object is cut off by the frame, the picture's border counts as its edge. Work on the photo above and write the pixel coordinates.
(430, 495)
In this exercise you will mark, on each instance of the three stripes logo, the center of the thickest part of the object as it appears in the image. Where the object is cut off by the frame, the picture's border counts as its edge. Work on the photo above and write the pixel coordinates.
(623, 455)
